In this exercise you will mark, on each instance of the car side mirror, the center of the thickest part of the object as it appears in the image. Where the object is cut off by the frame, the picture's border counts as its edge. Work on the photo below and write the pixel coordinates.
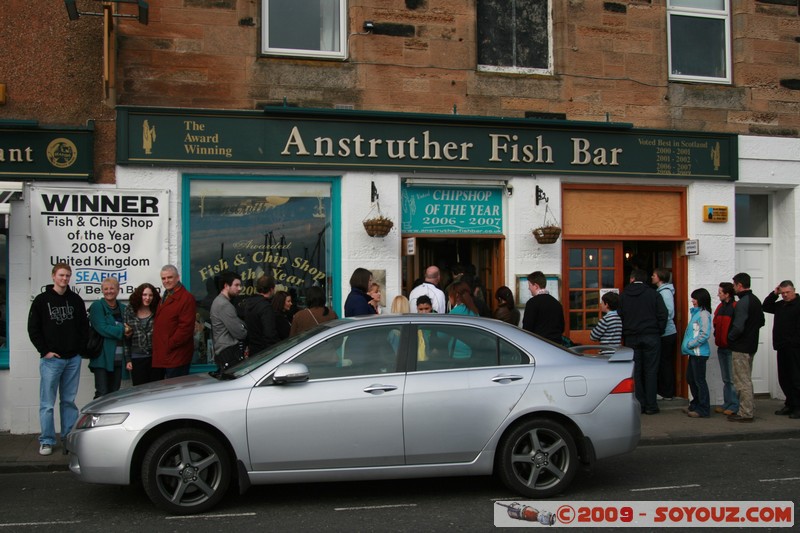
(290, 373)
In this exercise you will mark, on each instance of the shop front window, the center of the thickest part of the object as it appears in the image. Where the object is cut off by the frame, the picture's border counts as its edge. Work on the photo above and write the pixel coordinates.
(256, 227)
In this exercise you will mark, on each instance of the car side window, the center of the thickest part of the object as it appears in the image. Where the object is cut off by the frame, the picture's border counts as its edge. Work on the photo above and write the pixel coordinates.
(365, 351)
(511, 355)
(445, 347)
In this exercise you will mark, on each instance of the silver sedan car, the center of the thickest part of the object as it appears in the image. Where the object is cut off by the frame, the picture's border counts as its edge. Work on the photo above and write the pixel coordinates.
(386, 397)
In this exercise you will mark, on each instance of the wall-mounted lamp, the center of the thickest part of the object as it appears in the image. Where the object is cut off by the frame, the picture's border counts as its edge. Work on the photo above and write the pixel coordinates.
(509, 190)
(142, 17)
(540, 195)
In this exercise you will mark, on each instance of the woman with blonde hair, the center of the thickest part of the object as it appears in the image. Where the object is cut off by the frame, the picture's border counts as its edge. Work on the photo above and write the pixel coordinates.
(400, 305)
(106, 316)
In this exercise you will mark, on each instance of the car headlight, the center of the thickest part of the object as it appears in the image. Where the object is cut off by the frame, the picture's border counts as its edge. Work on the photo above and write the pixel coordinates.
(96, 420)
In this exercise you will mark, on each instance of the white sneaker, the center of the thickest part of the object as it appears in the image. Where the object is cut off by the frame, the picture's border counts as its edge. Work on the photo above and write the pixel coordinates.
(45, 449)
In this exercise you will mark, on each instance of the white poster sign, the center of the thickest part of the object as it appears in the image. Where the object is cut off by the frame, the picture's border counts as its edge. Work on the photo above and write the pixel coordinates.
(100, 233)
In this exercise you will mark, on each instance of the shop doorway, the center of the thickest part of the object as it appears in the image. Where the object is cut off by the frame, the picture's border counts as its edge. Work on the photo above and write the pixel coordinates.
(594, 267)
(483, 256)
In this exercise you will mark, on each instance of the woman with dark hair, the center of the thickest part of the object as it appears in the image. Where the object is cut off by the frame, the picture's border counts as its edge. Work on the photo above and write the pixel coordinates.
(139, 333)
(695, 345)
(282, 305)
(316, 312)
(506, 310)
(461, 302)
(357, 302)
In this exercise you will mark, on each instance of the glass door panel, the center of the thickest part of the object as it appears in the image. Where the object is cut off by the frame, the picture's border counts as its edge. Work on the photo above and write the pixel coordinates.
(591, 268)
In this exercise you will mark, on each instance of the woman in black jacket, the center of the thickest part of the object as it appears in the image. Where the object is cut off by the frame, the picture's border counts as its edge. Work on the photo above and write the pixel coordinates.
(282, 305)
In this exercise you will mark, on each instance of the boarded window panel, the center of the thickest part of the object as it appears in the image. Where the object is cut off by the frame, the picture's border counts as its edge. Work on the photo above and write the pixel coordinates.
(513, 33)
(621, 213)
(531, 30)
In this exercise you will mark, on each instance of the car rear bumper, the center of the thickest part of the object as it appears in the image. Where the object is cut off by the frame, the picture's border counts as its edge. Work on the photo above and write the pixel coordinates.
(101, 455)
(614, 427)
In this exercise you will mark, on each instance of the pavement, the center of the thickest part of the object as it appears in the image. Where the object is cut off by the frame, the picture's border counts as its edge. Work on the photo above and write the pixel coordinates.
(20, 453)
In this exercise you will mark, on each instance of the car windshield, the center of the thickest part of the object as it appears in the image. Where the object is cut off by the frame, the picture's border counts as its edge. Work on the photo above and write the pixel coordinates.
(254, 361)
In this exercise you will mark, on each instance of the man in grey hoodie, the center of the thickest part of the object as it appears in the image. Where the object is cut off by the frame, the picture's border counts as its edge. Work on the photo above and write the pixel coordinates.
(669, 338)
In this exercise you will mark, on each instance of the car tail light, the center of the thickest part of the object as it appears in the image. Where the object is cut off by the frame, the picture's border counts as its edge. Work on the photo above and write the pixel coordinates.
(623, 387)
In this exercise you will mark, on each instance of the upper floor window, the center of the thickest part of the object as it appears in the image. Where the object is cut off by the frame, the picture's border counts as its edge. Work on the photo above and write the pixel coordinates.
(515, 36)
(306, 28)
(699, 40)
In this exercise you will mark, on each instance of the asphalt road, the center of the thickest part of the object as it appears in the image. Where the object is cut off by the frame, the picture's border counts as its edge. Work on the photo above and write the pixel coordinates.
(746, 471)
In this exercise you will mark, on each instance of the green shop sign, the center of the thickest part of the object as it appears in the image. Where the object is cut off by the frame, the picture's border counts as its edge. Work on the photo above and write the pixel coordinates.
(30, 152)
(452, 210)
(328, 139)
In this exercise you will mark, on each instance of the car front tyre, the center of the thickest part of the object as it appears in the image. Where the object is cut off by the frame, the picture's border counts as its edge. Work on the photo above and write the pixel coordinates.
(186, 471)
(538, 458)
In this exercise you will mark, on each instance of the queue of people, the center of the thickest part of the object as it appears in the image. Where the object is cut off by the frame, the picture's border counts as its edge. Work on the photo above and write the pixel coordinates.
(153, 337)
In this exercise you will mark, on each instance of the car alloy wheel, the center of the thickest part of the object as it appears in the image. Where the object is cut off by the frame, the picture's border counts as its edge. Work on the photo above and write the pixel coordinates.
(538, 458)
(186, 471)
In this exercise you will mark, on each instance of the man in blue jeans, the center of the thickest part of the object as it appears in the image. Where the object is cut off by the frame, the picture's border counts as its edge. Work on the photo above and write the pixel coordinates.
(644, 317)
(58, 327)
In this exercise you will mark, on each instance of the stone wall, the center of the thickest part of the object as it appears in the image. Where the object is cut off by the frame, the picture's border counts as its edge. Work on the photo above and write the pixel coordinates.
(610, 63)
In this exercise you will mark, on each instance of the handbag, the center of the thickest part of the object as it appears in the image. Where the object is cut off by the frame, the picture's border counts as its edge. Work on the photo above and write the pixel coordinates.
(94, 346)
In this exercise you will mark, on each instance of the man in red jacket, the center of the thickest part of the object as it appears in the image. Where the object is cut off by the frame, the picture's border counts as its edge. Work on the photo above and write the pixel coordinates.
(723, 316)
(173, 327)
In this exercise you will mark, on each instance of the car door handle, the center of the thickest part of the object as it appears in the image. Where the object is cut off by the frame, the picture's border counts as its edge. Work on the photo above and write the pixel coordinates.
(380, 388)
(506, 378)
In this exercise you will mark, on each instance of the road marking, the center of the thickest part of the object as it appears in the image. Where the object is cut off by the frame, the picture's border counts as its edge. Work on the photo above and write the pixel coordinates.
(21, 524)
(666, 488)
(231, 515)
(374, 507)
(779, 479)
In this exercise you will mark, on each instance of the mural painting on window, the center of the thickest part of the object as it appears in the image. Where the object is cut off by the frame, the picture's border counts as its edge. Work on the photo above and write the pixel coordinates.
(256, 228)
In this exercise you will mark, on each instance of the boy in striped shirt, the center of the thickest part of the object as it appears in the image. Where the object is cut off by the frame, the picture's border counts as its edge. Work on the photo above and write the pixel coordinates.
(609, 329)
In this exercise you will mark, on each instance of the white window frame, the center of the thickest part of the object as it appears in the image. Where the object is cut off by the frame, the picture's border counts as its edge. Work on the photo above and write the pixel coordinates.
(723, 15)
(527, 70)
(325, 33)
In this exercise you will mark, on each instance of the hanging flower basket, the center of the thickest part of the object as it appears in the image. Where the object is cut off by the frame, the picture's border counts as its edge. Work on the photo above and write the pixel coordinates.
(549, 231)
(378, 227)
(547, 234)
